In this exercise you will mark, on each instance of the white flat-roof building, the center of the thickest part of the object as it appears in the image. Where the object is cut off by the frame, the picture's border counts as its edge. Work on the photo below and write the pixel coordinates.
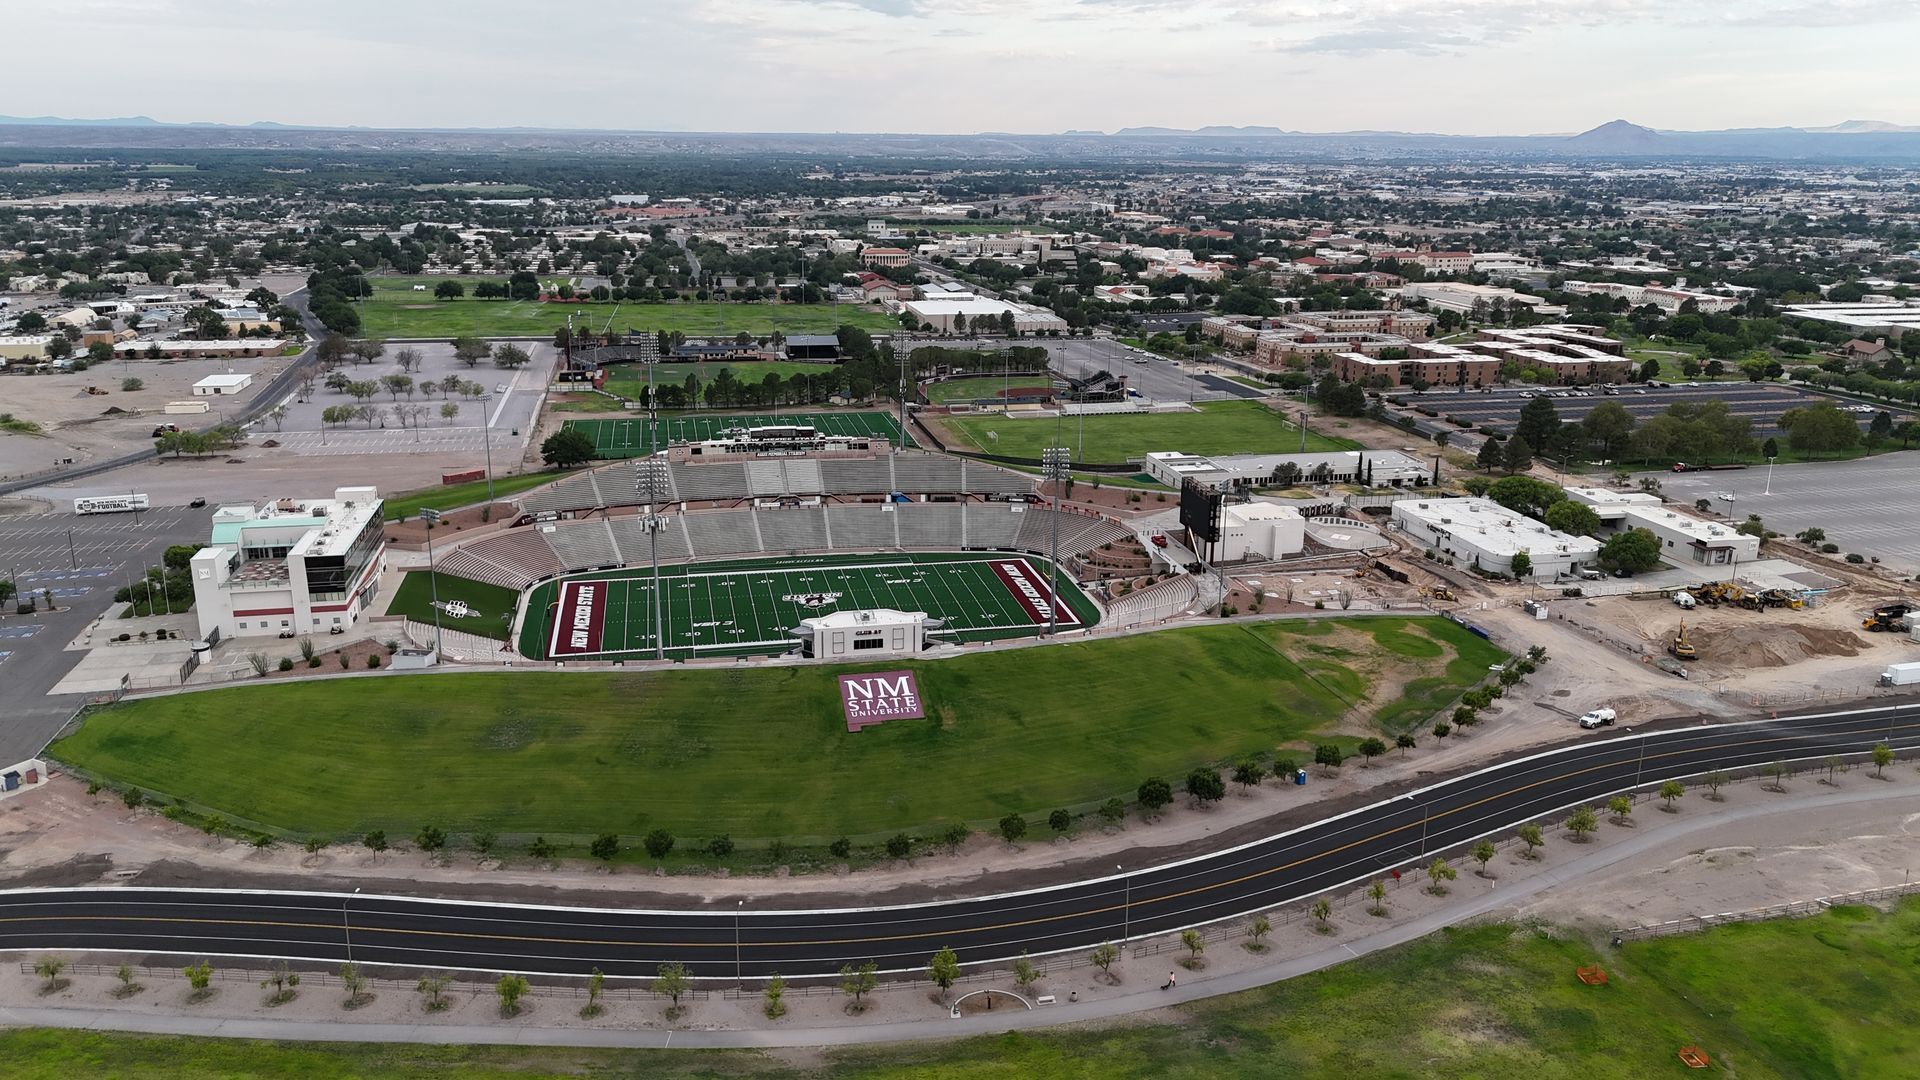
(1374, 468)
(1891, 319)
(871, 633)
(1482, 533)
(1260, 530)
(296, 566)
(1683, 538)
(231, 382)
(981, 312)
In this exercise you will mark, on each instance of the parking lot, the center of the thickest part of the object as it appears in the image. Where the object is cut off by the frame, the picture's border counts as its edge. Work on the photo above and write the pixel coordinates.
(506, 404)
(1157, 378)
(1867, 506)
(1760, 402)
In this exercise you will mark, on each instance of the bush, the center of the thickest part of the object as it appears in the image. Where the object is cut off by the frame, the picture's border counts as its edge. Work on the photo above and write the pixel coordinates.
(898, 845)
(1830, 549)
(373, 660)
(286, 663)
(840, 848)
(1855, 557)
(720, 846)
(1060, 821)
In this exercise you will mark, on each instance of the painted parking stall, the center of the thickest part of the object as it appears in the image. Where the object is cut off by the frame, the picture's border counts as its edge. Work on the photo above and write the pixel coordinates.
(580, 615)
(1032, 592)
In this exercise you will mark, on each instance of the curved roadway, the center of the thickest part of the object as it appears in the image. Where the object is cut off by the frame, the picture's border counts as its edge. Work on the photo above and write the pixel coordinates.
(723, 943)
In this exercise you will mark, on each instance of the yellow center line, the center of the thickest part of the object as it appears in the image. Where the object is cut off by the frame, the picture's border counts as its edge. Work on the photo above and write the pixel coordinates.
(1013, 924)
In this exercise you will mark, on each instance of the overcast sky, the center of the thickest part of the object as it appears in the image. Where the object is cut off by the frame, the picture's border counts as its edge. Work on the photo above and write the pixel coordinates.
(1458, 66)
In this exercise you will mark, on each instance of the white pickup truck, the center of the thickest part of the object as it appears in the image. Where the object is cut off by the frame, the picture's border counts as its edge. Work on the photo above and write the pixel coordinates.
(1597, 718)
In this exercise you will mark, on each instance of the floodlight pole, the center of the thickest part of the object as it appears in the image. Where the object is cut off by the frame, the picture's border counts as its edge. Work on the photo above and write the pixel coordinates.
(486, 439)
(432, 517)
(1055, 460)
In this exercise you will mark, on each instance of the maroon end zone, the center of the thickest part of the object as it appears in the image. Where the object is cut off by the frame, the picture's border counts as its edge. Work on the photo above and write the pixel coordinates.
(578, 618)
(1031, 590)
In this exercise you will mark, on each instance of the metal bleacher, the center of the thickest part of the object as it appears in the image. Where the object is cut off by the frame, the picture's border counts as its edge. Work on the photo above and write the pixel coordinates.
(854, 476)
(928, 525)
(994, 525)
(862, 527)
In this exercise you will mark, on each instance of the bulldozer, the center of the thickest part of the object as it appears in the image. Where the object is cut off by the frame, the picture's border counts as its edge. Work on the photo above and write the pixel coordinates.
(1441, 592)
(1682, 648)
(1886, 618)
(1781, 598)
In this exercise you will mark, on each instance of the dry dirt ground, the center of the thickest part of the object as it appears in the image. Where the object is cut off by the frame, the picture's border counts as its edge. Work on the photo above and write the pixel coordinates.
(1785, 856)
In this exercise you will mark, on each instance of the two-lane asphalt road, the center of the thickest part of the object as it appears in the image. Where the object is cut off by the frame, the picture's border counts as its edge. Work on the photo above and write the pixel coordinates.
(723, 939)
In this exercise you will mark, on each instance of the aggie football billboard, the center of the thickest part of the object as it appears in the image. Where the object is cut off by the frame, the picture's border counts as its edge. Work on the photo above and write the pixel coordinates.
(879, 696)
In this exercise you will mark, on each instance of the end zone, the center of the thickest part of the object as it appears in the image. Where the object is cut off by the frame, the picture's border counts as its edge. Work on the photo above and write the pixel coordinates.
(1032, 591)
(579, 616)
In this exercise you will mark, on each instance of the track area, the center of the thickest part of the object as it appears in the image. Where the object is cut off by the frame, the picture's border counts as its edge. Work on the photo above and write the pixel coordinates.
(625, 438)
(720, 941)
(747, 607)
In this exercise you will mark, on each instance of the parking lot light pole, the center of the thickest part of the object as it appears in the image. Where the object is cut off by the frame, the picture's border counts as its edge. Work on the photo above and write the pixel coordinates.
(486, 440)
(432, 517)
(1769, 490)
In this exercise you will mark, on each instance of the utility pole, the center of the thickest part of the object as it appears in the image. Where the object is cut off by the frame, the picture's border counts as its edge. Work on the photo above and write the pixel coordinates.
(1055, 461)
(432, 517)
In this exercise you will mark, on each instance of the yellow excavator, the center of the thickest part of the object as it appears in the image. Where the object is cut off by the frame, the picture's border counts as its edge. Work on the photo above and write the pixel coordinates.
(1682, 648)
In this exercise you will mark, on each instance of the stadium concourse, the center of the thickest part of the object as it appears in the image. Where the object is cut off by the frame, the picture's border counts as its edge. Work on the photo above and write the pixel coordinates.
(752, 545)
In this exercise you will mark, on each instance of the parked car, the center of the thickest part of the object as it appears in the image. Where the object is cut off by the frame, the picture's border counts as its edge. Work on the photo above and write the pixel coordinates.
(197, 503)
(1159, 540)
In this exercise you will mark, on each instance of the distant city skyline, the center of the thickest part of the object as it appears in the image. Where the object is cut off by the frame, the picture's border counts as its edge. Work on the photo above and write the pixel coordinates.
(1464, 67)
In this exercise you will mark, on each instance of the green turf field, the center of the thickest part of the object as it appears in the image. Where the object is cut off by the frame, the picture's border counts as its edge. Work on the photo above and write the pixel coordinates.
(761, 751)
(983, 387)
(489, 608)
(630, 380)
(747, 607)
(395, 310)
(402, 505)
(1823, 998)
(1219, 427)
(627, 437)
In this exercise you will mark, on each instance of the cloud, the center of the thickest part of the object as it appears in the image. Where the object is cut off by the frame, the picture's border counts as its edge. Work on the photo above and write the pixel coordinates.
(1360, 42)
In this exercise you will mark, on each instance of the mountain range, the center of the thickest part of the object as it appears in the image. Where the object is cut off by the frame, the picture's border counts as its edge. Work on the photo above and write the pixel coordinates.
(1852, 140)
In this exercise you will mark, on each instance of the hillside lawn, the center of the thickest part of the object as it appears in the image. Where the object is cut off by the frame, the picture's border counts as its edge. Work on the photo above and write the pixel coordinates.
(403, 505)
(1827, 997)
(492, 607)
(396, 311)
(1219, 427)
(763, 752)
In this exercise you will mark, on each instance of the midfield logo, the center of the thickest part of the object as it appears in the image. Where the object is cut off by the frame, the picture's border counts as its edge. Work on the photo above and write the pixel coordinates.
(812, 599)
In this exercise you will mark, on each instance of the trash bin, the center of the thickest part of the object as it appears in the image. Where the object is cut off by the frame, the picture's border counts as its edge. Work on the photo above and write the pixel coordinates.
(1300, 777)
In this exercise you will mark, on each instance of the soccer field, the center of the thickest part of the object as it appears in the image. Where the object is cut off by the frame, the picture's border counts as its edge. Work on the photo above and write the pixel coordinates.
(747, 607)
(1218, 427)
(628, 437)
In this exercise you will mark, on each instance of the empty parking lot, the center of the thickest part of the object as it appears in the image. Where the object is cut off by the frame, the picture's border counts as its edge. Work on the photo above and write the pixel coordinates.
(1866, 506)
(1761, 403)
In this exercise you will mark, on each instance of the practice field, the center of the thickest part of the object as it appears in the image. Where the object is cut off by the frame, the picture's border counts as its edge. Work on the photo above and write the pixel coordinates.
(396, 310)
(748, 607)
(628, 437)
(984, 388)
(762, 751)
(1219, 427)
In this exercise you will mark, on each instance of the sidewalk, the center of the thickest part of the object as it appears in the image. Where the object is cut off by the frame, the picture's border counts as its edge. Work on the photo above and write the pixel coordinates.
(1193, 986)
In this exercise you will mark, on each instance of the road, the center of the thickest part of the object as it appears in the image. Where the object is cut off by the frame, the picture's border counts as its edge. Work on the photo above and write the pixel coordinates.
(721, 941)
(1155, 377)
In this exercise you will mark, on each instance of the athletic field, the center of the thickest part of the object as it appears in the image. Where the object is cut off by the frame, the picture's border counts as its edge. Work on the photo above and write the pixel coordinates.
(627, 437)
(747, 607)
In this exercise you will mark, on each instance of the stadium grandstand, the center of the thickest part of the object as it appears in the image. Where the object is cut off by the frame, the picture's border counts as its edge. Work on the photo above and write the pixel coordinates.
(828, 478)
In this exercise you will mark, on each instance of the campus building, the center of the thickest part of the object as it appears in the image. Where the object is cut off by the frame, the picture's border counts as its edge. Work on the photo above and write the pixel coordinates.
(1482, 534)
(300, 566)
(1373, 468)
(1683, 538)
(1260, 530)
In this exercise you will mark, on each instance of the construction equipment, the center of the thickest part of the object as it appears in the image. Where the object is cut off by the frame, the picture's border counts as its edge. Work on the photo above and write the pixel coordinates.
(1886, 618)
(1781, 598)
(1681, 648)
(1441, 592)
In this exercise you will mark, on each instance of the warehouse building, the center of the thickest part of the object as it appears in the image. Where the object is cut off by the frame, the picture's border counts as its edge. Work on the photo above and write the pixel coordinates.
(1482, 534)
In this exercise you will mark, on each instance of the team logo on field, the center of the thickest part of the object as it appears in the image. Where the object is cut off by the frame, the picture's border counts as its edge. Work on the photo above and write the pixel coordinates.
(812, 599)
(457, 609)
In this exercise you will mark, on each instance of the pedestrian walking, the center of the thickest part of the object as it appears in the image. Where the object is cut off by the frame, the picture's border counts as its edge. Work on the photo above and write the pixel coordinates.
(1171, 979)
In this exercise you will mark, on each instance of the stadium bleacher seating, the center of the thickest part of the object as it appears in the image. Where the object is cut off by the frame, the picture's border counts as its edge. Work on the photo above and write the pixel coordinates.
(856, 475)
(724, 480)
(994, 525)
(722, 534)
(857, 528)
(793, 530)
(928, 525)
(916, 472)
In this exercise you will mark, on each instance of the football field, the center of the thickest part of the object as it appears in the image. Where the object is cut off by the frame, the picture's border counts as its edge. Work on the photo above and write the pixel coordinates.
(626, 438)
(747, 607)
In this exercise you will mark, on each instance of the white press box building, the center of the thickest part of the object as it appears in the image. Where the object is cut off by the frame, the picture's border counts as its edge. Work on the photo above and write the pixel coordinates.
(304, 566)
(1482, 533)
(869, 633)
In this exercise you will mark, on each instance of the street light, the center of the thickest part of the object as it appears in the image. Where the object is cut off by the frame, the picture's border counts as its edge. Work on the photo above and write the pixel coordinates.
(345, 926)
(1769, 490)
(1126, 904)
(736, 941)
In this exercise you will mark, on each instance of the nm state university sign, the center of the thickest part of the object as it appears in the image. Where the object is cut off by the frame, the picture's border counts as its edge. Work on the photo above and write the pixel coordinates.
(878, 696)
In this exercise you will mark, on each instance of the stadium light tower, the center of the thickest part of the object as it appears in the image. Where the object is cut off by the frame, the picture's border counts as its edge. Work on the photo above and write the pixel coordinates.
(432, 517)
(650, 482)
(1055, 460)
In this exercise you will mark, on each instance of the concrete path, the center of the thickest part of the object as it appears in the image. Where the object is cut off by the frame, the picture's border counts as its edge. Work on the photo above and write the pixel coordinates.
(940, 1027)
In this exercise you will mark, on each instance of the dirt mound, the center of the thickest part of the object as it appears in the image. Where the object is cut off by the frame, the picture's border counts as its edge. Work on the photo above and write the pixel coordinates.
(1764, 646)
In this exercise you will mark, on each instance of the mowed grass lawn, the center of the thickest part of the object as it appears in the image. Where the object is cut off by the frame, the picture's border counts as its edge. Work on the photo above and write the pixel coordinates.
(395, 310)
(490, 607)
(757, 752)
(630, 380)
(1831, 997)
(1219, 427)
(983, 387)
(407, 504)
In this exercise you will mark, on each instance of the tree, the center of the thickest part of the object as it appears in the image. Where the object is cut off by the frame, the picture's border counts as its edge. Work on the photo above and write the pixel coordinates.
(567, 449)
(1636, 551)
(1025, 975)
(1193, 943)
(1204, 786)
(1153, 794)
(1608, 429)
(367, 350)
(1377, 892)
(470, 350)
(396, 385)
(1258, 928)
(898, 845)
(1572, 518)
(408, 358)
(1060, 820)
(449, 410)
(1322, 912)
(128, 986)
(1371, 748)
(1770, 448)
(858, 982)
(1114, 810)
(1249, 773)
(198, 976)
(1713, 780)
(449, 290)
(944, 970)
(1531, 836)
(1582, 822)
(282, 979)
(776, 990)
(1522, 565)
(1438, 874)
(1671, 790)
(720, 846)
(659, 843)
(1820, 428)
(1013, 827)
(1489, 456)
(670, 981)
(1328, 756)
(433, 987)
(1442, 729)
(1405, 741)
(1538, 424)
(1517, 456)
(354, 983)
(509, 356)
(607, 845)
(49, 968)
(376, 841)
(430, 838)
(1882, 757)
(1777, 772)
(1103, 957)
(511, 989)
(1483, 853)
